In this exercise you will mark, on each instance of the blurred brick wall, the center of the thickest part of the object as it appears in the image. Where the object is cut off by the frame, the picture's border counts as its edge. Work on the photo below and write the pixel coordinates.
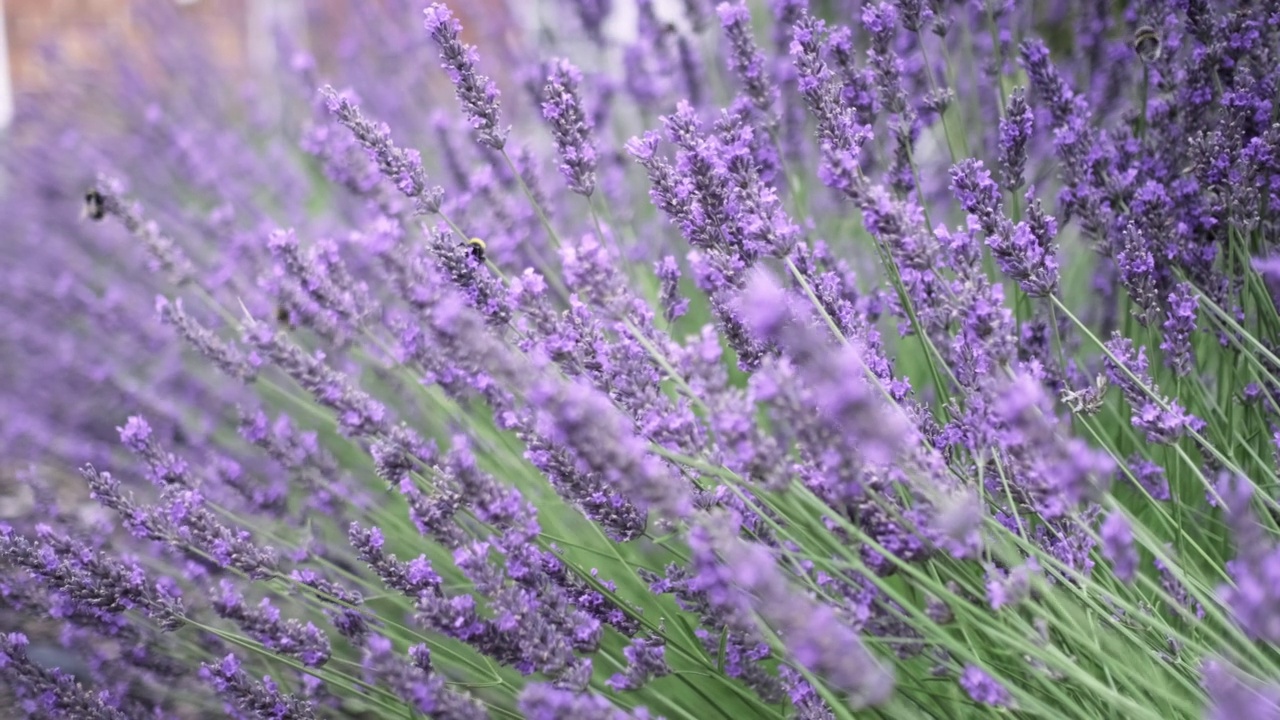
(80, 30)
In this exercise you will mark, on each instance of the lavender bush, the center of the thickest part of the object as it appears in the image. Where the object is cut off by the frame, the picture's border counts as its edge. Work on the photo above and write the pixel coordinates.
(818, 360)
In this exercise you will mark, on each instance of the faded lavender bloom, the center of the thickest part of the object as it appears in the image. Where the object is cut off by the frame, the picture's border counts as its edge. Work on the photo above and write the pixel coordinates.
(746, 60)
(1015, 133)
(562, 109)
(262, 699)
(1024, 251)
(983, 688)
(477, 93)
(1179, 325)
(400, 166)
(54, 692)
(1118, 547)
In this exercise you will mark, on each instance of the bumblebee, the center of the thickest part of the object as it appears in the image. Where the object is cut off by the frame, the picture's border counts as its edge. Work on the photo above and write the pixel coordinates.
(1146, 43)
(477, 248)
(95, 206)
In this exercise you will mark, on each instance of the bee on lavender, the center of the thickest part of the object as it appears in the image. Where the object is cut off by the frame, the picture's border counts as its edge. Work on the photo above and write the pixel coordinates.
(95, 205)
(477, 248)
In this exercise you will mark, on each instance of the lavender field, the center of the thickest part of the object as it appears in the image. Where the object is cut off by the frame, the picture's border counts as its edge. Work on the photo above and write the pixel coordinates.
(768, 359)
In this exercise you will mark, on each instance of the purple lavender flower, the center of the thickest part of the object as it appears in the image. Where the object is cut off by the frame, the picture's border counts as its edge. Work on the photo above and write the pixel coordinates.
(58, 693)
(593, 14)
(1149, 476)
(1118, 547)
(477, 93)
(542, 701)
(1012, 587)
(165, 468)
(358, 413)
(746, 60)
(983, 688)
(1138, 272)
(1024, 251)
(674, 305)
(1161, 419)
(1015, 133)
(1254, 592)
(290, 636)
(1179, 325)
(91, 578)
(415, 681)
(562, 109)
(412, 578)
(835, 375)
(262, 698)
(580, 418)
(1233, 694)
(747, 579)
(400, 166)
(224, 355)
(840, 136)
(165, 253)
(646, 659)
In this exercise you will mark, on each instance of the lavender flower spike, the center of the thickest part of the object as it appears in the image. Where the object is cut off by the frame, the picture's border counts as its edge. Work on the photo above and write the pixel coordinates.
(747, 575)
(1234, 695)
(477, 93)
(1015, 133)
(1023, 251)
(403, 167)
(224, 355)
(166, 256)
(562, 109)
(259, 699)
(59, 694)
(1117, 546)
(746, 59)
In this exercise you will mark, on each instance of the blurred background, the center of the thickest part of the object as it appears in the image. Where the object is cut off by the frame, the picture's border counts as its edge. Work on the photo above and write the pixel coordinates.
(41, 38)
(44, 38)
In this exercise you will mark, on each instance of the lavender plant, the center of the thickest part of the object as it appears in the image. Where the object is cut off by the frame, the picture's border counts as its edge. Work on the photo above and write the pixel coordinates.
(838, 359)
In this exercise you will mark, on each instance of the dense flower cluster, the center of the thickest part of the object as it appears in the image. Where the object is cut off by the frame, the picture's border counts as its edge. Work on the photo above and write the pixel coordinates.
(838, 357)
